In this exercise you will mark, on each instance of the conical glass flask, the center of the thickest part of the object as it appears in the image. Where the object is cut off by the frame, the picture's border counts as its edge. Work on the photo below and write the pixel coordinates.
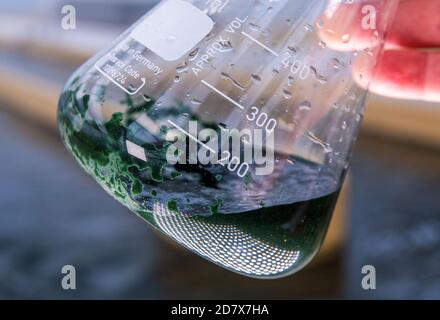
(228, 124)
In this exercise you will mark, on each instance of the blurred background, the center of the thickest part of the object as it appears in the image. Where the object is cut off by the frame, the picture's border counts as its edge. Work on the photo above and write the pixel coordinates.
(52, 214)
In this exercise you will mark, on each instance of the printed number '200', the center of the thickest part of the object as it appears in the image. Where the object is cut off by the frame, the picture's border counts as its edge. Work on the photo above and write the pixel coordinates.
(233, 164)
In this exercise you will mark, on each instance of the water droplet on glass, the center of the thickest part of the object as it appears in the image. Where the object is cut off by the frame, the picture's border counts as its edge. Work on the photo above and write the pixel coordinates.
(196, 102)
(322, 44)
(193, 54)
(245, 140)
(223, 126)
(287, 94)
(255, 26)
(346, 38)
(305, 106)
(325, 146)
(209, 37)
(344, 125)
(292, 49)
(322, 79)
(226, 76)
(256, 77)
(308, 27)
(320, 23)
(336, 64)
(226, 45)
(369, 51)
(182, 68)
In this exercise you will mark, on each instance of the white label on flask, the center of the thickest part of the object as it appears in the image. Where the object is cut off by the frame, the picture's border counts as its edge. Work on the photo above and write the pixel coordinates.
(172, 29)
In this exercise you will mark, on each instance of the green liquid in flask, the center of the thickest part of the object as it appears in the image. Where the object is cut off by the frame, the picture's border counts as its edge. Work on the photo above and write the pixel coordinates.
(207, 209)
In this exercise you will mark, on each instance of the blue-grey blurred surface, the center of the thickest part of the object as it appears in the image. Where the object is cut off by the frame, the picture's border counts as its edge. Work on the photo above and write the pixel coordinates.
(51, 216)
(395, 223)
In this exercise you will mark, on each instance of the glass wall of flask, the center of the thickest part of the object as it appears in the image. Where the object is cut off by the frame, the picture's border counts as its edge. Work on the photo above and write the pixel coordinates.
(228, 125)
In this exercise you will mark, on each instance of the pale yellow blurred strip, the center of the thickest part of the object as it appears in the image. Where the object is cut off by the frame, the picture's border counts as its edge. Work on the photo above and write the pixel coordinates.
(30, 96)
(417, 122)
(412, 121)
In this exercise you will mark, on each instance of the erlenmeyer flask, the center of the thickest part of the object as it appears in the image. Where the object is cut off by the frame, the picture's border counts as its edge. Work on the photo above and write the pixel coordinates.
(228, 124)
